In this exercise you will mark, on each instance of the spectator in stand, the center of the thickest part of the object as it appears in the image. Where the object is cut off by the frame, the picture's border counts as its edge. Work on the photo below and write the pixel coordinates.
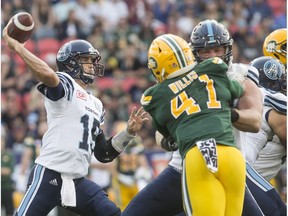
(7, 73)
(61, 10)
(87, 13)
(70, 27)
(117, 9)
(129, 60)
(162, 10)
(44, 20)
(211, 10)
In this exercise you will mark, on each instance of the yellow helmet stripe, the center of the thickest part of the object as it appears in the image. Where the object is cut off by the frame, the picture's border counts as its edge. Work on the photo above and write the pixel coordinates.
(173, 44)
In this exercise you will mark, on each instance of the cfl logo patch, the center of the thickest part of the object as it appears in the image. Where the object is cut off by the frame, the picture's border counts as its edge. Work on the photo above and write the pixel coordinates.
(271, 70)
(81, 95)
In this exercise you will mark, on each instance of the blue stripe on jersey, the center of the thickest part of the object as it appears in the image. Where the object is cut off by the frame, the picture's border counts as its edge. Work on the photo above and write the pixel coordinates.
(257, 178)
(37, 179)
(279, 105)
(102, 116)
(67, 85)
(210, 33)
(253, 76)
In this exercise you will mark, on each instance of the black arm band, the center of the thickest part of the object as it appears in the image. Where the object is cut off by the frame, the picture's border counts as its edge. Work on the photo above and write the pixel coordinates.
(103, 150)
(267, 114)
(234, 115)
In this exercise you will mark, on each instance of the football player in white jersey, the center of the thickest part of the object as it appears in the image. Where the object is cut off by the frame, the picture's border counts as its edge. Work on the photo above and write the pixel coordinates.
(74, 117)
(273, 128)
(273, 155)
(163, 194)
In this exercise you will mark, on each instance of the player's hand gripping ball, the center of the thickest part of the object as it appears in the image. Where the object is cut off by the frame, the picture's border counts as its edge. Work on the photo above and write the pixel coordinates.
(21, 26)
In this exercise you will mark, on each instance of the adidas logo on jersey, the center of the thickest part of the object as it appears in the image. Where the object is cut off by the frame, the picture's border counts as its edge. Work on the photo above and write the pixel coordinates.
(54, 182)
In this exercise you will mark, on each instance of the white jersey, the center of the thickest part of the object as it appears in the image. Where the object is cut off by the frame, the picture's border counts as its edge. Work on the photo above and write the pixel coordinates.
(270, 159)
(73, 124)
(176, 160)
(255, 142)
(237, 72)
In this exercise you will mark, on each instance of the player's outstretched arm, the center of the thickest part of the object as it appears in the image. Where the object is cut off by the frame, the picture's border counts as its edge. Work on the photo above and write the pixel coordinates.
(134, 124)
(39, 68)
(249, 108)
(106, 150)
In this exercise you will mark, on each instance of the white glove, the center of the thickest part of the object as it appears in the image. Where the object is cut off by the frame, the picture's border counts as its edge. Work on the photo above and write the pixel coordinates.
(237, 72)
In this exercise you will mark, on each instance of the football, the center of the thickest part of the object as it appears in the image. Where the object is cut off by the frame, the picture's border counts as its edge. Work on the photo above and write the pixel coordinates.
(21, 26)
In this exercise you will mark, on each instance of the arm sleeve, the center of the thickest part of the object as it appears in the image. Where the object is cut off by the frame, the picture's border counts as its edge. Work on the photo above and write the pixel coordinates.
(103, 150)
(55, 93)
(65, 87)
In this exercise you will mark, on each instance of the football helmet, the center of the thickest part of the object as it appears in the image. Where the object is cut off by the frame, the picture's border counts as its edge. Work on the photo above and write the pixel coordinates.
(275, 45)
(208, 34)
(168, 56)
(271, 73)
(69, 60)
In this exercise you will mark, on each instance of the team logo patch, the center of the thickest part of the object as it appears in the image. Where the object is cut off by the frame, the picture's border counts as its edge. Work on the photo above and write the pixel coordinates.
(81, 95)
(152, 64)
(271, 46)
(271, 70)
(64, 52)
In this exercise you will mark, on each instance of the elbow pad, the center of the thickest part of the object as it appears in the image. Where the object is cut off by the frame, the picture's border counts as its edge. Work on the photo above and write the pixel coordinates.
(103, 150)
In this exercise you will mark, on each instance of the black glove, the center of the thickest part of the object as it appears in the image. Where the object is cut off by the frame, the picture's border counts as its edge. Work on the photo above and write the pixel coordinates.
(169, 144)
(234, 115)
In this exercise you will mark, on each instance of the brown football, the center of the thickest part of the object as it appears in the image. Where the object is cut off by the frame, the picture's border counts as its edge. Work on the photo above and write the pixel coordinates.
(21, 26)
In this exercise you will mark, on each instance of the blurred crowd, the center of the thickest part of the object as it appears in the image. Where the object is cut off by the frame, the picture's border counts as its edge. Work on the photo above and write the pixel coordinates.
(122, 31)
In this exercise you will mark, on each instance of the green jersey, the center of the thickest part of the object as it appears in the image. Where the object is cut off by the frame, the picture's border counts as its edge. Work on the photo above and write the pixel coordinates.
(7, 163)
(194, 106)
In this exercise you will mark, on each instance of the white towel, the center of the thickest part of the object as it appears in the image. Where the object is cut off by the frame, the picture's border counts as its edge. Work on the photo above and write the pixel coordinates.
(68, 192)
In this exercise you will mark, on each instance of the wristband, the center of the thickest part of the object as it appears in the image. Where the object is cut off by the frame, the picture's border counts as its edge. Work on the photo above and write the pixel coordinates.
(121, 140)
(234, 115)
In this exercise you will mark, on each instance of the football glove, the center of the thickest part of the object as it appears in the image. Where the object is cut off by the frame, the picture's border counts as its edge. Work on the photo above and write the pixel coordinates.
(169, 144)
(237, 72)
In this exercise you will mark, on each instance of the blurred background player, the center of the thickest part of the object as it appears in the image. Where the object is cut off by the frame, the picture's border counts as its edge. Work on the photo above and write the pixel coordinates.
(132, 174)
(130, 170)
